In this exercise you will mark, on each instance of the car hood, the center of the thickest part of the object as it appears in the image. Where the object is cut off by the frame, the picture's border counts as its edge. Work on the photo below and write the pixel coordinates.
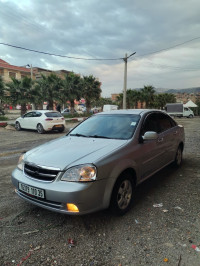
(69, 151)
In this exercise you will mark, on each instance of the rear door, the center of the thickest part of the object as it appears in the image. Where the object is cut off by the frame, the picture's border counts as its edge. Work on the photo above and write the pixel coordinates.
(168, 132)
(151, 151)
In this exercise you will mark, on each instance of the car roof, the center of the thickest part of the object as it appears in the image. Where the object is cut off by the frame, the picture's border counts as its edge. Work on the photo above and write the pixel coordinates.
(44, 111)
(129, 111)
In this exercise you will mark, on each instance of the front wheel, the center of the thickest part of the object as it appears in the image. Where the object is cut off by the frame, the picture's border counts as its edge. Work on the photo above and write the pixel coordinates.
(179, 156)
(40, 129)
(122, 195)
(17, 126)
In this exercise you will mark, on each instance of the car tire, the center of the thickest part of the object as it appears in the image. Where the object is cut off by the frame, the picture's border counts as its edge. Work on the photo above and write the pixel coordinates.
(61, 129)
(122, 195)
(179, 156)
(40, 129)
(18, 126)
(190, 116)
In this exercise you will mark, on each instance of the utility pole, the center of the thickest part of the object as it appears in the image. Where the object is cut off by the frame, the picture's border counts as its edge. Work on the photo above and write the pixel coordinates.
(125, 78)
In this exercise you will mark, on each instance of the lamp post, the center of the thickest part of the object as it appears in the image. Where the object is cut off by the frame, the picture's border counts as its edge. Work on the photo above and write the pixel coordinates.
(31, 70)
(125, 78)
(33, 105)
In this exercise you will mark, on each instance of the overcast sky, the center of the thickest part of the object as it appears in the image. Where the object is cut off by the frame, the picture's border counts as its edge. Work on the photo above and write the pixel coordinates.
(107, 29)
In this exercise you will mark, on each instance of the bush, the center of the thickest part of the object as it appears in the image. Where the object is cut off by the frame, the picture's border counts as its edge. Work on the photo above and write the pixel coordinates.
(77, 115)
(3, 118)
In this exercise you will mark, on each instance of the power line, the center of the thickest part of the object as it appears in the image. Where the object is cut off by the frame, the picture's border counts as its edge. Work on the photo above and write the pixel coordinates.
(169, 48)
(70, 57)
(99, 59)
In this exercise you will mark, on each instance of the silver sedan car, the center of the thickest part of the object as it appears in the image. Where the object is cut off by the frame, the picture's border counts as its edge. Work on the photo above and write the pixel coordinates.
(100, 162)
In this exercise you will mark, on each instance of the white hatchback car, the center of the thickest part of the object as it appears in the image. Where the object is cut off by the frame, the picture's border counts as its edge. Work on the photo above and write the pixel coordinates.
(41, 120)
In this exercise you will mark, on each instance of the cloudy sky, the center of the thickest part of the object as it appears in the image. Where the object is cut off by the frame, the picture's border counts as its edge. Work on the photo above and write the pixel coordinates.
(164, 34)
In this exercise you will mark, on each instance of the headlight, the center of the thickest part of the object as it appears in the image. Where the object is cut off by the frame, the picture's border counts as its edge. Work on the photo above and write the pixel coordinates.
(80, 173)
(20, 164)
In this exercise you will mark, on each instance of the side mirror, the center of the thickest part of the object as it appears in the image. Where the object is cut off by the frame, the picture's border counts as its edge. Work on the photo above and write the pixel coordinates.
(150, 135)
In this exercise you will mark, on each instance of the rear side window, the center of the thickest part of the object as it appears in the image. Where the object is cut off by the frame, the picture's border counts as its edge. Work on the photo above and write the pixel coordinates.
(165, 122)
(53, 114)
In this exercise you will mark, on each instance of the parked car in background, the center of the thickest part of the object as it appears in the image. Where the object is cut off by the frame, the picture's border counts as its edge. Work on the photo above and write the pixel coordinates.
(99, 163)
(41, 120)
(67, 111)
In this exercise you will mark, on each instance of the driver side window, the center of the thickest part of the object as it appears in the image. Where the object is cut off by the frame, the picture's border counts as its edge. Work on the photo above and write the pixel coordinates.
(28, 115)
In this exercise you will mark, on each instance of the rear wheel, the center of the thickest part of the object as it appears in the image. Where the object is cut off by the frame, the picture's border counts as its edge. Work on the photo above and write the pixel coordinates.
(179, 156)
(40, 129)
(122, 195)
(61, 129)
(17, 126)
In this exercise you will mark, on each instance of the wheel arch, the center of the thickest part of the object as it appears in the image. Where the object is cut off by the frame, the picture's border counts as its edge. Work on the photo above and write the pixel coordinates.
(112, 182)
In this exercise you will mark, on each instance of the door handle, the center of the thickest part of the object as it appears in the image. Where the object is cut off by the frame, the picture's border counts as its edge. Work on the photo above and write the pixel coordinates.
(175, 132)
(160, 140)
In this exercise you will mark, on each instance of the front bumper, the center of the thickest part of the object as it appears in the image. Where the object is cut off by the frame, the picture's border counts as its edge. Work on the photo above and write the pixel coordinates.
(88, 197)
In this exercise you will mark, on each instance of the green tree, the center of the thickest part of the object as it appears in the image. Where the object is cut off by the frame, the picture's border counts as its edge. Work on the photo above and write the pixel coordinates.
(72, 89)
(2, 91)
(147, 95)
(160, 100)
(49, 87)
(198, 107)
(20, 92)
(119, 100)
(101, 102)
(132, 98)
(91, 90)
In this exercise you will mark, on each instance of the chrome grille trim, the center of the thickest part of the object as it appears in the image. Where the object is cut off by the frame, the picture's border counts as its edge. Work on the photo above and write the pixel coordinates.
(40, 173)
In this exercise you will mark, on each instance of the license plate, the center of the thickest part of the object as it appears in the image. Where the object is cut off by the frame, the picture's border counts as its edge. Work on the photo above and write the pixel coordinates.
(58, 126)
(37, 192)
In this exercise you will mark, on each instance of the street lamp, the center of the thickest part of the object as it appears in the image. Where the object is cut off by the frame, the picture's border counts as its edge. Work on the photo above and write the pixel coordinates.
(125, 78)
(31, 70)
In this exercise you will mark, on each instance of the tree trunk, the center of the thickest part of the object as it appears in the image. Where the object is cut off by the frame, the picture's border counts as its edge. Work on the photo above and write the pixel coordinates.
(88, 105)
(23, 109)
(50, 104)
(72, 106)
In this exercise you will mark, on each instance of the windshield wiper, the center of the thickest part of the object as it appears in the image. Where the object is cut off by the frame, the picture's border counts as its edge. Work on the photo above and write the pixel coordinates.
(78, 135)
(97, 136)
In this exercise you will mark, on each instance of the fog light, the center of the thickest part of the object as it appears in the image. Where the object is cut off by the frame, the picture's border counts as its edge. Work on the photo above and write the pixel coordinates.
(72, 207)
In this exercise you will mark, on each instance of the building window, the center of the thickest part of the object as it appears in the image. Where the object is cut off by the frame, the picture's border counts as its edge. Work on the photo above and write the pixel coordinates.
(12, 74)
(1, 72)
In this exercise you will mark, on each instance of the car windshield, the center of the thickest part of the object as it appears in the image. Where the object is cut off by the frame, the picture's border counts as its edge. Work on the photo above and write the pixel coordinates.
(53, 114)
(107, 126)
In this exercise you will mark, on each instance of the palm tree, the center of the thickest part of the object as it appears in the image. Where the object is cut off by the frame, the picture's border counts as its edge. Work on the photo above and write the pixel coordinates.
(50, 87)
(119, 100)
(163, 98)
(148, 93)
(20, 92)
(72, 89)
(91, 90)
(133, 97)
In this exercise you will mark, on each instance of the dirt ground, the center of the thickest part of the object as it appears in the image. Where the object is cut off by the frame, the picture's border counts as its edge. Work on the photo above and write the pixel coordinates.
(147, 235)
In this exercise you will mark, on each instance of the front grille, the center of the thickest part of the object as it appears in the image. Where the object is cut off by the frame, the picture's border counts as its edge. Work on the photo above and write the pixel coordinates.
(40, 173)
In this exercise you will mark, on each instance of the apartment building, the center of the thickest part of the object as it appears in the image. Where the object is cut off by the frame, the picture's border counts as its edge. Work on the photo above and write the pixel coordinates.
(8, 71)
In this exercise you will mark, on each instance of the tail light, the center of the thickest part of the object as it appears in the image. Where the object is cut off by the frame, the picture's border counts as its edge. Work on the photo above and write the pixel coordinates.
(62, 118)
(48, 119)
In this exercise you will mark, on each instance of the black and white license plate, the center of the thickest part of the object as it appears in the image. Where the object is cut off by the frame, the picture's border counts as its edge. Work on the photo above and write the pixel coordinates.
(37, 192)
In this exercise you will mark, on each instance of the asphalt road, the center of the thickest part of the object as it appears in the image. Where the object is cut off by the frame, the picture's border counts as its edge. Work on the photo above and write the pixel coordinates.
(147, 235)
